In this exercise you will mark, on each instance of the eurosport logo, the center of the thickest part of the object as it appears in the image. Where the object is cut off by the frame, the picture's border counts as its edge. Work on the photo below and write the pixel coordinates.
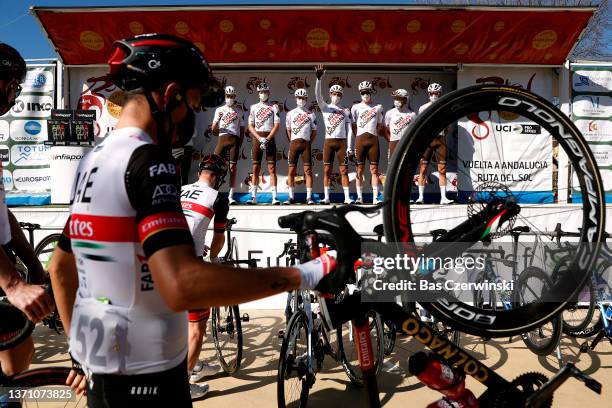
(30, 155)
(28, 130)
(32, 105)
(4, 155)
(4, 130)
(7, 180)
(32, 179)
(38, 80)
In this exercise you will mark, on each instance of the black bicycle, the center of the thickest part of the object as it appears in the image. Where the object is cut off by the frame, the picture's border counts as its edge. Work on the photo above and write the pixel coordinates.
(494, 216)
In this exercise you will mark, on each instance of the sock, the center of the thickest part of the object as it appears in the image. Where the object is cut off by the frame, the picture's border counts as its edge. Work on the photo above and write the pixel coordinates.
(421, 191)
(231, 193)
(374, 193)
(291, 193)
(308, 193)
(326, 189)
(347, 196)
(360, 192)
(443, 191)
(254, 192)
(273, 193)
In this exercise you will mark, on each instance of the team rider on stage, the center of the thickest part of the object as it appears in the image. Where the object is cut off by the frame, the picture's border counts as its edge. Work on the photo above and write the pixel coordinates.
(264, 122)
(301, 126)
(201, 203)
(367, 126)
(228, 122)
(437, 146)
(30, 299)
(338, 131)
(125, 270)
(397, 119)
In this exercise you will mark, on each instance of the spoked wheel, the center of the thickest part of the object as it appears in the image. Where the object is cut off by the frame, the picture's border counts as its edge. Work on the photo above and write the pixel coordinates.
(496, 122)
(532, 282)
(45, 248)
(50, 382)
(226, 327)
(294, 379)
(347, 349)
(390, 333)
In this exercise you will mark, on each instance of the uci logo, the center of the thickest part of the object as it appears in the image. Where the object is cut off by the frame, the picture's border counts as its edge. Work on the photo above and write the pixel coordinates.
(81, 229)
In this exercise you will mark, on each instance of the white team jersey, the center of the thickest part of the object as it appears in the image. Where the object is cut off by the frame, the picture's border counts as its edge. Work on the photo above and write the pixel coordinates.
(424, 106)
(301, 123)
(198, 202)
(120, 322)
(397, 121)
(367, 117)
(5, 227)
(230, 120)
(337, 119)
(263, 116)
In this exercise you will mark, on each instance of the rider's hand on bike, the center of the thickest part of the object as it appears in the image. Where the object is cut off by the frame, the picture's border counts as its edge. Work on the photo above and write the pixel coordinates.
(77, 381)
(313, 272)
(32, 300)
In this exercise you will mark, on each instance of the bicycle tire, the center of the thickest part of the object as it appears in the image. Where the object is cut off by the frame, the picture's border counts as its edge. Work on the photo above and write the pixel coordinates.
(551, 341)
(230, 326)
(14, 326)
(398, 185)
(39, 249)
(390, 334)
(572, 322)
(353, 372)
(299, 322)
(40, 377)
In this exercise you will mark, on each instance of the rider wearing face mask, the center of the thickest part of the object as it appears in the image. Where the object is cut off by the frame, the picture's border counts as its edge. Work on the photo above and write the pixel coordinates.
(437, 146)
(264, 122)
(367, 126)
(398, 119)
(338, 131)
(301, 126)
(228, 123)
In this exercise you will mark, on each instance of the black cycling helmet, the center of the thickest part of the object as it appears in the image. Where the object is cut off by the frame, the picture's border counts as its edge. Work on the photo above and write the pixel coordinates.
(216, 164)
(12, 65)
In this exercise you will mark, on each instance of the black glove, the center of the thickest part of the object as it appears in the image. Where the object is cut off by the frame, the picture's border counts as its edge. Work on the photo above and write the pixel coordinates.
(319, 73)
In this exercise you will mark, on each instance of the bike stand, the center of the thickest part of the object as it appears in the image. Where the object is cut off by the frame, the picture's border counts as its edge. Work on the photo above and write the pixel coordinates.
(245, 317)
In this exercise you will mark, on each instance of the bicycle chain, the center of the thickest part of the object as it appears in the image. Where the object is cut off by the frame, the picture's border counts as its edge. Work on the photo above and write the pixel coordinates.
(520, 388)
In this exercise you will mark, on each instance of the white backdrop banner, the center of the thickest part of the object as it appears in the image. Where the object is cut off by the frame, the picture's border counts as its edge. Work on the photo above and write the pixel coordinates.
(500, 147)
(91, 91)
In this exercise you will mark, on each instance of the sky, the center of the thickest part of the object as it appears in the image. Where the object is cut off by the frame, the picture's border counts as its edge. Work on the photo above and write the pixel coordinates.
(19, 28)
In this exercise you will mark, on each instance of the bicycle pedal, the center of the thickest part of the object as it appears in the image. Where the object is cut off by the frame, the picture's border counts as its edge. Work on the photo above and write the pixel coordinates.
(584, 347)
(245, 317)
(281, 334)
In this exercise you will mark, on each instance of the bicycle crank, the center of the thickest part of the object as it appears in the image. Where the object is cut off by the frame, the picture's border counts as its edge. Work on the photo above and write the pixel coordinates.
(520, 389)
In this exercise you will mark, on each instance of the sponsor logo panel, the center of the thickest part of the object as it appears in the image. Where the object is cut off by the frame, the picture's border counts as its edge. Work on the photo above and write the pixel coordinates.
(4, 130)
(32, 179)
(28, 131)
(7, 180)
(32, 106)
(592, 81)
(30, 155)
(592, 105)
(38, 80)
(4, 155)
(595, 130)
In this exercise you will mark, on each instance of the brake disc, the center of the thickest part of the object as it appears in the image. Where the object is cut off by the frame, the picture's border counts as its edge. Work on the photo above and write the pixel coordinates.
(520, 388)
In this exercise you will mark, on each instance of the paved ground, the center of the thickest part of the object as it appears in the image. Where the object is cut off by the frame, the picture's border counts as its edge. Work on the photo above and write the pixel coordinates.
(255, 384)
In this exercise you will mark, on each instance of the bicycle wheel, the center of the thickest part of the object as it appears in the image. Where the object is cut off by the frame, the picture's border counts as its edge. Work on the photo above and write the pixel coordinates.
(390, 333)
(226, 328)
(45, 248)
(499, 104)
(47, 377)
(531, 283)
(293, 378)
(347, 350)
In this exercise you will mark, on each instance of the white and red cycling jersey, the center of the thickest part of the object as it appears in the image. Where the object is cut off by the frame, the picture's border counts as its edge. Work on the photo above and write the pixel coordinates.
(300, 122)
(367, 117)
(397, 122)
(125, 206)
(201, 203)
(263, 116)
(230, 120)
(337, 119)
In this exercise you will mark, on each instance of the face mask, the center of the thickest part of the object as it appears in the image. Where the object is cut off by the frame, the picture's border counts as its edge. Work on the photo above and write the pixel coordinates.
(433, 98)
(398, 104)
(335, 99)
(300, 102)
(229, 101)
(263, 96)
(366, 98)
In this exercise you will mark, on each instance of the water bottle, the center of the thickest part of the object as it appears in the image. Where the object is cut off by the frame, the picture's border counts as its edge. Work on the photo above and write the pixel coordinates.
(440, 376)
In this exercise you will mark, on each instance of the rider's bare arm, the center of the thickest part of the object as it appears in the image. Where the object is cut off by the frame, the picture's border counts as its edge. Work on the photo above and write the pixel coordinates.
(25, 252)
(64, 280)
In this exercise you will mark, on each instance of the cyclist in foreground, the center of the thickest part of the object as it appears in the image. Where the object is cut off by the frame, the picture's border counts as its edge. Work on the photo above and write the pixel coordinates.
(125, 270)
(201, 203)
(31, 299)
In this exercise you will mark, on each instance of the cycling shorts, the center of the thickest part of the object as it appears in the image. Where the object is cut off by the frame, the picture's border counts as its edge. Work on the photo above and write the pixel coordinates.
(198, 315)
(228, 146)
(438, 145)
(366, 147)
(335, 147)
(392, 146)
(257, 153)
(166, 388)
(299, 147)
